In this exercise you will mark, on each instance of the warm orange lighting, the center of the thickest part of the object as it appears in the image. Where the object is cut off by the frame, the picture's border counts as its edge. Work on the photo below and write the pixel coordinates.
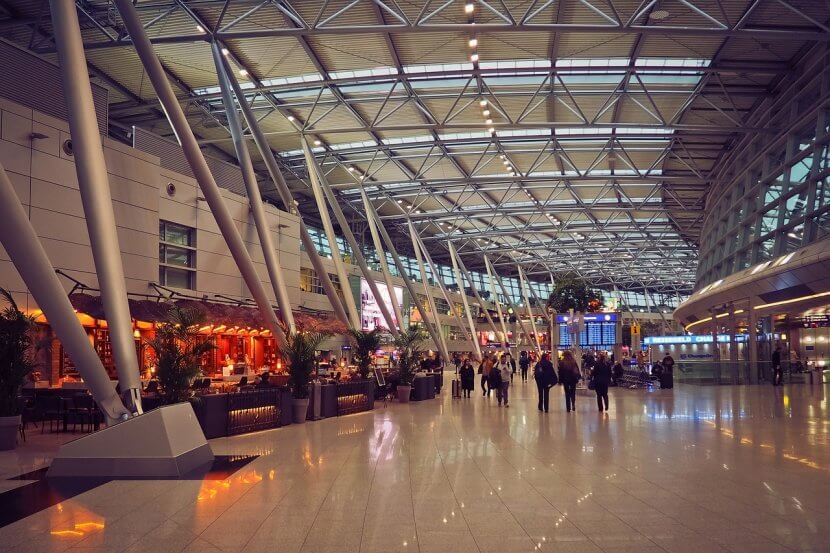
(794, 300)
(65, 533)
(136, 334)
(89, 526)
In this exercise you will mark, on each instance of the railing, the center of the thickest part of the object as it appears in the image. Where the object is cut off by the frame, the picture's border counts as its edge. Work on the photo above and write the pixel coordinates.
(254, 410)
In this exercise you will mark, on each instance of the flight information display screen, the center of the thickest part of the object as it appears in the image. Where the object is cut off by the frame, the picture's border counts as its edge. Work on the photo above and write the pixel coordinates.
(596, 334)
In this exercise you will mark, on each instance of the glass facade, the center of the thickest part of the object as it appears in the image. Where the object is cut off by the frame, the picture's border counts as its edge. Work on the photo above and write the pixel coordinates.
(773, 194)
(445, 272)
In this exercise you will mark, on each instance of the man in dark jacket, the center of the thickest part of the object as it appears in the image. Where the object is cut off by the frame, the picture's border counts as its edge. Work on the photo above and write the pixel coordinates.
(667, 377)
(524, 364)
(545, 378)
(601, 377)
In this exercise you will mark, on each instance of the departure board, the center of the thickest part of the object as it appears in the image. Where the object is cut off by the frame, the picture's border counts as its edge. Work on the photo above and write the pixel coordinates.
(564, 336)
(594, 331)
(609, 333)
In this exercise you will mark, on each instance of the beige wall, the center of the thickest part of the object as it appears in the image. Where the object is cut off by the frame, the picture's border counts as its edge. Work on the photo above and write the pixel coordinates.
(45, 180)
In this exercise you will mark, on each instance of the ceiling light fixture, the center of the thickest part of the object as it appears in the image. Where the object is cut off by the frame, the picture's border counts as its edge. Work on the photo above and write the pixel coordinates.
(469, 7)
(317, 142)
(243, 72)
(488, 121)
(225, 51)
(486, 112)
(290, 117)
(200, 29)
(482, 103)
(473, 42)
(474, 58)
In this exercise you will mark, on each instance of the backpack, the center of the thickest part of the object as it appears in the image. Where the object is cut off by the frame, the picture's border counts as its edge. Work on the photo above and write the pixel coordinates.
(494, 380)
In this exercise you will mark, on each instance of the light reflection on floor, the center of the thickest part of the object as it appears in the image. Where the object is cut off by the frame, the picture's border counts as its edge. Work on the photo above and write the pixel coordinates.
(730, 469)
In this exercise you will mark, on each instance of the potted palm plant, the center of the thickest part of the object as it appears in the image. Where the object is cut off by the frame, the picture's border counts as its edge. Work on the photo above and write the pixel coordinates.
(299, 355)
(407, 342)
(16, 362)
(365, 344)
(179, 348)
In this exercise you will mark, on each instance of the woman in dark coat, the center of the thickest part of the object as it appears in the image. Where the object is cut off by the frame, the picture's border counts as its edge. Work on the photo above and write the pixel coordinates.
(468, 377)
(569, 376)
(601, 377)
(545, 378)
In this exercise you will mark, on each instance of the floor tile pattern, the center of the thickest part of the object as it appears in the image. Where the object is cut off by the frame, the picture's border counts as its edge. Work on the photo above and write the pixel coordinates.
(694, 469)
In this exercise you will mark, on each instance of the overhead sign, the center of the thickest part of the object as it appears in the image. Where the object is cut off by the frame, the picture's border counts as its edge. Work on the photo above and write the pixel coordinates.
(707, 339)
(589, 318)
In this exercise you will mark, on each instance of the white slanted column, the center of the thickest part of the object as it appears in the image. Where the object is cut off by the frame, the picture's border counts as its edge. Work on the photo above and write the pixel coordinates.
(196, 160)
(511, 304)
(492, 282)
(444, 291)
(336, 255)
(402, 270)
(442, 344)
(269, 251)
(523, 284)
(384, 266)
(93, 183)
(285, 194)
(467, 311)
(482, 305)
(30, 260)
(166, 442)
(315, 172)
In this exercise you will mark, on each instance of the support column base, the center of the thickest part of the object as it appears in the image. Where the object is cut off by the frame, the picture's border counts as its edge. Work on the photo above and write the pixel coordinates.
(164, 443)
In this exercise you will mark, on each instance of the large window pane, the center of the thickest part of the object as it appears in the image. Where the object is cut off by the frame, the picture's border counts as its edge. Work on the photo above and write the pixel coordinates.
(794, 206)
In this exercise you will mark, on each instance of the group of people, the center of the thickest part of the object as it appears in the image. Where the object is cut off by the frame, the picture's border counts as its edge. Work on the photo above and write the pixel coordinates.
(497, 374)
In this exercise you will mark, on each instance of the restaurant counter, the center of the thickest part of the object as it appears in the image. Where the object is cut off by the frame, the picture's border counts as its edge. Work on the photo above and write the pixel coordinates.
(245, 411)
(423, 387)
(343, 398)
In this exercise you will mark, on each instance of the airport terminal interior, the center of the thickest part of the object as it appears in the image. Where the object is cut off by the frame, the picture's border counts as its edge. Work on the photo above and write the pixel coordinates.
(426, 276)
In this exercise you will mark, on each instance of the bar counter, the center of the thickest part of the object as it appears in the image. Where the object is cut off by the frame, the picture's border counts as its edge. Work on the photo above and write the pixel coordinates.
(228, 414)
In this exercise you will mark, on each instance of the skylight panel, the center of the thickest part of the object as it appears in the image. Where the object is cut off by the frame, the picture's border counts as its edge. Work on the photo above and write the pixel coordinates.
(515, 64)
(438, 68)
(578, 63)
(672, 62)
(383, 71)
(352, 145)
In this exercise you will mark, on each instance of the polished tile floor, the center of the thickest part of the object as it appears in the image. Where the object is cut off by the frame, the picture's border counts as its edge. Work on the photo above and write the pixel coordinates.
(694, 469)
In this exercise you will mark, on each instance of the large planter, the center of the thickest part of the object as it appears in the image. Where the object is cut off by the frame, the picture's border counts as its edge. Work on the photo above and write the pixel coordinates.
(9, 427)
(403, 393)
(300, 410)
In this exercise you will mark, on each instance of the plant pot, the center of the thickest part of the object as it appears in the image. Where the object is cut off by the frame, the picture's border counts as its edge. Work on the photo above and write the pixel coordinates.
(9, 427)
(300, 410)
(403, 393)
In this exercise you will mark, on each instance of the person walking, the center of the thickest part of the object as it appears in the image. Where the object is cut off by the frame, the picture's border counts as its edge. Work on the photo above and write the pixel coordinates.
(468, 378)
(777, 373)
(486, 368)
(569, 376)
(545, 378)
(667, 378)
(601, 377)
(505, 374)
(511, 363)
(494, 381)
(524, 364)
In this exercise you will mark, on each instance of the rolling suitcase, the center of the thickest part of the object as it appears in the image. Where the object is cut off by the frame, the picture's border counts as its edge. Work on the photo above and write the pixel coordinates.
(456, 388)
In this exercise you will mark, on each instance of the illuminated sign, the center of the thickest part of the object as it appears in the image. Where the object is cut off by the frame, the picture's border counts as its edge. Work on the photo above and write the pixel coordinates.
(707, 339)
(589, 318)
(371, 316)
